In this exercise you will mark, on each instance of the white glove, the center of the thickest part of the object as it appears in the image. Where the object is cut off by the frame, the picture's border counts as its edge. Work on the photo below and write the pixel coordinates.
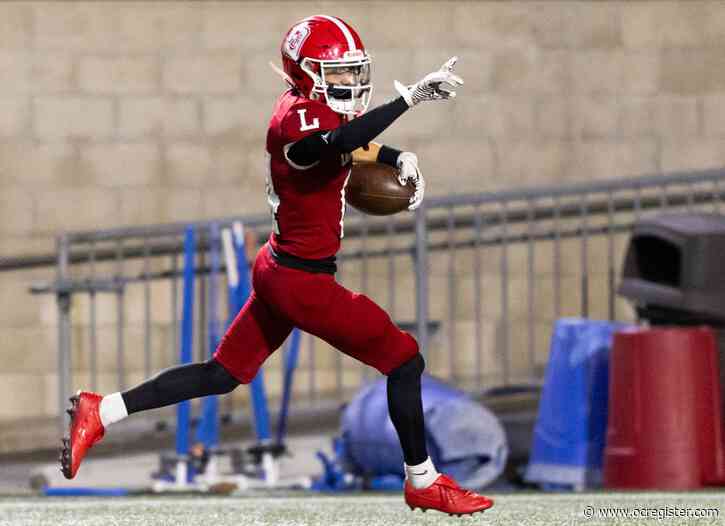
(408, 166)
(430, 88)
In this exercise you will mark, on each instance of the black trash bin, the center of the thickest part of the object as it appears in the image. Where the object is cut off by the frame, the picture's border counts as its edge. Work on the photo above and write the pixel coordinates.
(674, 273)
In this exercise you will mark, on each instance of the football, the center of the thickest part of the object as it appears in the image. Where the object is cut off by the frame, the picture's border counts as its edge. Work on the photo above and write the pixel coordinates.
(374, 189)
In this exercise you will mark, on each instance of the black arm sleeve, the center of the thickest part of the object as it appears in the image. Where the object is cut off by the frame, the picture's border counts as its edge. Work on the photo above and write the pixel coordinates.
(349, 136)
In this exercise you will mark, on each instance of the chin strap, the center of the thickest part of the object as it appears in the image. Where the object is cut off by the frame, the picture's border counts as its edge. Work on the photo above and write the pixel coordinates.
(282, 74)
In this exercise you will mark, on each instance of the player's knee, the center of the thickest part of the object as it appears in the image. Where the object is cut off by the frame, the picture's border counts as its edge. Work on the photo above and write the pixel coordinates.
(413, 368)
(220, 380)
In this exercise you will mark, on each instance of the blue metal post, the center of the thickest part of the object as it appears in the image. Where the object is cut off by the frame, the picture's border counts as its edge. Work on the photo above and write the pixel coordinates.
(208, 430)
(238, 294)
(259, 396)
(293, 350)
(183, 409)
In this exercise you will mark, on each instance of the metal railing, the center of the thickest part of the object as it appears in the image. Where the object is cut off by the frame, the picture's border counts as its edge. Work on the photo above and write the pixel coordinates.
(478, 278)
(582, 227)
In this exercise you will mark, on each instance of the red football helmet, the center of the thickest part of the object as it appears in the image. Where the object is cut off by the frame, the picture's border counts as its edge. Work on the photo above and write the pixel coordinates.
(319, 46)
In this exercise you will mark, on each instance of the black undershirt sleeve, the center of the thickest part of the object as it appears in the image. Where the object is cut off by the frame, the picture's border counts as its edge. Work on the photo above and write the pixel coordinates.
(348, 137)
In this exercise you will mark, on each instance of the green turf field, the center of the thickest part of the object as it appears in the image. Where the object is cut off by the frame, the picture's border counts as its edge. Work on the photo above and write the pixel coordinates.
(519, 509)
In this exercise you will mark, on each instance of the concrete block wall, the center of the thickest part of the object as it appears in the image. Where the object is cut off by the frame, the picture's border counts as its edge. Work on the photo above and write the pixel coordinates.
(133, 113)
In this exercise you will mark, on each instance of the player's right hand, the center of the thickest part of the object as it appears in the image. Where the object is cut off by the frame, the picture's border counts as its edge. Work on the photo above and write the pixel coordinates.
(431, 86)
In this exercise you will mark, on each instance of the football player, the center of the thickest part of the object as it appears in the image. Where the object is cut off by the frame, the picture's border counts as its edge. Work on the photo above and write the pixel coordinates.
(319, 125)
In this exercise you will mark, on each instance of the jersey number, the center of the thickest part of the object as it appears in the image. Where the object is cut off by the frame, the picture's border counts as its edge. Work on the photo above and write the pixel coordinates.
(304, 126)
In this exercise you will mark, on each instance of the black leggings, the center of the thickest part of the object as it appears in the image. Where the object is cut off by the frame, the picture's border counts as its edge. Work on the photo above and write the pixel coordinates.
(194, 380)
(179, 383)
(406, 409)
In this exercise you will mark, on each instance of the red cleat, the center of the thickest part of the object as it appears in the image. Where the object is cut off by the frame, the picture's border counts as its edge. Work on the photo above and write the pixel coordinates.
(446, 496)
(85, 430)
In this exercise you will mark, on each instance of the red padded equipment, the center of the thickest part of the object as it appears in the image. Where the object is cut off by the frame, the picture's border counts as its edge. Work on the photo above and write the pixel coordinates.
(665, 418)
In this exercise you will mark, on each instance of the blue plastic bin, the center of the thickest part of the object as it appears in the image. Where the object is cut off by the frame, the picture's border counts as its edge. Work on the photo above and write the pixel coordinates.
(569, 435)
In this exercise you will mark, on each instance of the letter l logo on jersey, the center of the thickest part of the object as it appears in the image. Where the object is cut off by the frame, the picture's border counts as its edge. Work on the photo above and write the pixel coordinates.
(303, 124)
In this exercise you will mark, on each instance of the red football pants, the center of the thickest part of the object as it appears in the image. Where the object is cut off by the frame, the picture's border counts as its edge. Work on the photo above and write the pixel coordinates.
(284, 298)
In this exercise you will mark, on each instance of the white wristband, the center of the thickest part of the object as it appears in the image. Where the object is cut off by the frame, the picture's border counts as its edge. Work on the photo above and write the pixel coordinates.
(404, 92)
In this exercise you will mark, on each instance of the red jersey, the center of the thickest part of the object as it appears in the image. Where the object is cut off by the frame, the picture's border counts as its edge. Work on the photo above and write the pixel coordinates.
(307, 203)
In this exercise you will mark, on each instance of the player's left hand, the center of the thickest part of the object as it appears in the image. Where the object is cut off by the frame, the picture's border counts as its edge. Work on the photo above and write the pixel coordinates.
(432, 86)
(408, 165)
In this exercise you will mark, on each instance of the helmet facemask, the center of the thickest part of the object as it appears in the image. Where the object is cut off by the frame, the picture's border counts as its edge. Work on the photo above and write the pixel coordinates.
(351, 98)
